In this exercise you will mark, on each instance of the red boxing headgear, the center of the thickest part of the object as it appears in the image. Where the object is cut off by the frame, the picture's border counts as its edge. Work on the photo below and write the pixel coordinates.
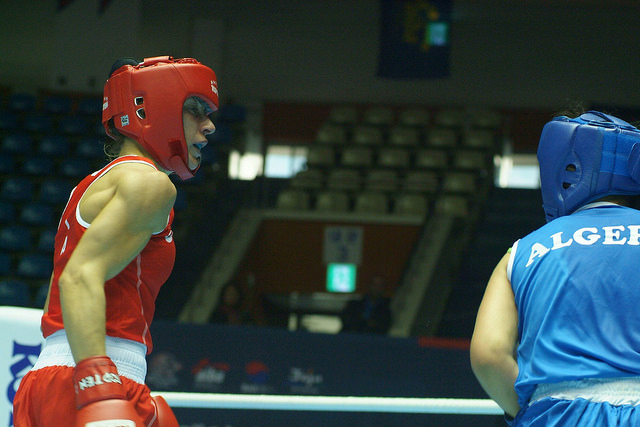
(145, 102)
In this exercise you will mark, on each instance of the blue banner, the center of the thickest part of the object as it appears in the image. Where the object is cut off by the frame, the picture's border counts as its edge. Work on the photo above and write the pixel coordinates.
(253, 360)
(232, 359)
(414, 39)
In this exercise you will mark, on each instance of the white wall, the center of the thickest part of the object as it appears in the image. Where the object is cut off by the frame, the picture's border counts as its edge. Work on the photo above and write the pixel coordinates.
(536, 53)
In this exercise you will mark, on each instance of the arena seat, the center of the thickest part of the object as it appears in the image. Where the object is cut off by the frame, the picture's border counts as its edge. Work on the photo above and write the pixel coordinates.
(321, 156)
(331, 134)
(15, 238)
(345, 179)
(5, 264)
(431, 158)
(415, 117)
(17, 143)
(452, 205)
(459, 182)
(308, 179)
(17, 189)
(441, 138)
(7, 164)
(90, 107)
(57, 105)
(7, 212)
(419, 181)
(367, 135)
(371, 202)
(75, 167)
(471, 160)
(22, 102)
(379, 115)
(332, 201)
(343, 114)
(385, 180)
(393, 158)
(35, 266)
(53, 145)
(37, 214)
(38, 123)
(449, 118)
(14, 293)
(46, 240)
(411, 204)
(90, 147)
(479, 139)
(356, 157)
(72, 126)
(404, 136)
(293, 199)
(55, 191)
(9, 121)
(38, 166)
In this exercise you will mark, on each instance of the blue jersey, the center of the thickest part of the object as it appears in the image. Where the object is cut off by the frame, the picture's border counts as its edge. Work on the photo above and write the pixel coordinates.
(576, 283)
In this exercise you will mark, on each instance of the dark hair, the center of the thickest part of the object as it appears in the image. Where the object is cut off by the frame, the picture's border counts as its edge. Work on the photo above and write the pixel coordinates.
(121, 62)
(112, 145)
(572, 111)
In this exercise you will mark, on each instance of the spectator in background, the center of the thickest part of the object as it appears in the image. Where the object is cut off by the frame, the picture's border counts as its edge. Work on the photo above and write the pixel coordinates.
(232, 308)
(370, 313)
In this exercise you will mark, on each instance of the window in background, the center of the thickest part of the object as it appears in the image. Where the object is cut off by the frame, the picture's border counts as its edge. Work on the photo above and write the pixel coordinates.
(245, 166)
(282, 161)
(517, 171)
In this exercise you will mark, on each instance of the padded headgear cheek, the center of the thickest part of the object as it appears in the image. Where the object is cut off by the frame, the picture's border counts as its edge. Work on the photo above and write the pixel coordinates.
(633, 164)
(560, 166)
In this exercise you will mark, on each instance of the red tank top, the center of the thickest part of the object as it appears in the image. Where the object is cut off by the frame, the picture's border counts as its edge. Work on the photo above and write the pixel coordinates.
(132, 293)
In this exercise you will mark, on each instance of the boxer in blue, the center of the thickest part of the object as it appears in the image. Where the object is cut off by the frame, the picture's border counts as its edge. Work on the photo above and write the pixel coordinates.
(557, 336)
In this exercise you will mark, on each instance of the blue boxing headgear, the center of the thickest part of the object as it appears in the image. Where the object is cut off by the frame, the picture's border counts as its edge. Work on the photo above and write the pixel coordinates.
(585, 159)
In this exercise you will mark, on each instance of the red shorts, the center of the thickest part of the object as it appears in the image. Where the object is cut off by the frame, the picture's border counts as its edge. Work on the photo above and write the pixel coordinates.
(46, 398)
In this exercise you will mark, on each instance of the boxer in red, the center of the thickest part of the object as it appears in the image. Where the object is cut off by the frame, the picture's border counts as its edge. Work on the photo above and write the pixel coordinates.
(114, 249)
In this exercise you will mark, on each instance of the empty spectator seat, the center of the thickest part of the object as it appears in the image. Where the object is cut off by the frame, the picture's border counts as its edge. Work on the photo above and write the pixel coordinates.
(416, 117)
(14, 293)
(17, 189)
(293, 199)
(367, 135)
(332, 201)
(411, 204)
(55, 191)
(385, 180)
(35, 266)
(15, 238)
(53, 145)
(379, 116)
(331, 134)
(356, 157)
(345, 179)
(308, 179)
(371, 202)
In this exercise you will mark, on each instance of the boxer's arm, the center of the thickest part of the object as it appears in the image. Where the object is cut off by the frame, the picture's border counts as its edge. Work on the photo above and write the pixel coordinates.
(494, 341)
(140, 205)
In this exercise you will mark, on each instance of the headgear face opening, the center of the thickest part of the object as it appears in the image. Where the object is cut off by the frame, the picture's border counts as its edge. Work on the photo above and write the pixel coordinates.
(587, 158)
(146, 101)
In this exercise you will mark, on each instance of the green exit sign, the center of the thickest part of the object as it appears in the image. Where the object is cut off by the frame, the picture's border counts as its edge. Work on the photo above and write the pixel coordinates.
(341, 277)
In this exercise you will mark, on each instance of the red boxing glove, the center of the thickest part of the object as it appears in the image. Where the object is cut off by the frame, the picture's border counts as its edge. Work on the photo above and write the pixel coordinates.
(101, 398)
(166, 417)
